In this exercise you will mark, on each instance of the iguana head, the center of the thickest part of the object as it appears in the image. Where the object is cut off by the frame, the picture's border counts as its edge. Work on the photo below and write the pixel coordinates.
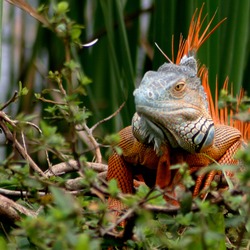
(172, 108)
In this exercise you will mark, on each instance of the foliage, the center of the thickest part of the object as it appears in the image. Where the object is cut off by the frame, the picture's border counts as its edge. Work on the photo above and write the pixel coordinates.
(70, 206)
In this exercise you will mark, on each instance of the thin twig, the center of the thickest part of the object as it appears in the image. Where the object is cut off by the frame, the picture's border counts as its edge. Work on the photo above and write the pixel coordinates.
(89, 132)
(120, 220)
(16, 144)
(34, 125)
(107, 118)
(24, 143)
(50, 101)
(40, 131)
(94, 142)
(30, 10)
(72, 165)
(12, 99)
(18, 193)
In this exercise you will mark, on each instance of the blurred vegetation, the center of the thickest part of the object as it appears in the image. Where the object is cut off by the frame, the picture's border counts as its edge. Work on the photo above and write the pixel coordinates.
(63, 83)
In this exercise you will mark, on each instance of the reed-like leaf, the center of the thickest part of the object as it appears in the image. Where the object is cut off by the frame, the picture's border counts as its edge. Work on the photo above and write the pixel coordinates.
(240, 44)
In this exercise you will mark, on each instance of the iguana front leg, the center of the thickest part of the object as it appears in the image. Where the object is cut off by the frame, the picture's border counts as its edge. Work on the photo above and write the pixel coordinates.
(122, 172)
(137, 157)
(163, 173)
(227, 141)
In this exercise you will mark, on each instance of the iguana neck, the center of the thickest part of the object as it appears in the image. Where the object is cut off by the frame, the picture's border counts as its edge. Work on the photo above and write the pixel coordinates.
(147, 132)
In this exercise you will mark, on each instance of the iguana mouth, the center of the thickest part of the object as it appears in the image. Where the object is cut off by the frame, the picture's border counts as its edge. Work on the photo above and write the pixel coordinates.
(143, 105)
(172, 114)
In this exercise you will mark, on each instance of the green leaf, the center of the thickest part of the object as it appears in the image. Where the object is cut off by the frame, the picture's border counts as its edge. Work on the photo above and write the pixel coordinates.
(186, 202)
(112, 139)
(62, 7)
(83, 242)
(113, 188)
(50, 136)
(84, 80)
(216, 235)
(186, 219)
(75, 33)
(64, 201)
(22, 91)
(37, 95)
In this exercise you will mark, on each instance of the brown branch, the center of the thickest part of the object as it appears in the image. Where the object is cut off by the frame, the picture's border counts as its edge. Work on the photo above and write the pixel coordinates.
(77, 183)
(50, 101)
(89, 132)
(11, 210)
(84, 137)
(19, 193)
(16, 144)
(30, 10)
(12, 99)
(94, 142)
(123, 218)
(107, 118)
(72, 165)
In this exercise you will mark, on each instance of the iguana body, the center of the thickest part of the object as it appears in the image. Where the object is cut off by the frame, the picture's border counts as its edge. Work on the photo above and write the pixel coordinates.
(173, 124)
(150, 150)
(137, 156)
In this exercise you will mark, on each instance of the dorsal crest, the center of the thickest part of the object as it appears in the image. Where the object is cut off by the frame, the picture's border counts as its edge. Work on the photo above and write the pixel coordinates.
(195, 38)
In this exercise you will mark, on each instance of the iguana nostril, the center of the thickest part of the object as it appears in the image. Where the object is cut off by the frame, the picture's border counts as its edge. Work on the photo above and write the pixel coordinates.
(150, 94)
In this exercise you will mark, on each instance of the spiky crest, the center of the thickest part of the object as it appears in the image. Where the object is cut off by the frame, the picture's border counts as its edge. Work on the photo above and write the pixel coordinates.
(194, 40)
(223, 115)
(190, 46)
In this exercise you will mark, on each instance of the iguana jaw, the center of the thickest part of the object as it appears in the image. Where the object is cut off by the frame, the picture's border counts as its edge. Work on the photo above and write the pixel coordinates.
(193, 135)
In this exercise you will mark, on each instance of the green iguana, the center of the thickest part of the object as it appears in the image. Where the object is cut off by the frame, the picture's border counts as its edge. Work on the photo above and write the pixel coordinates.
(172, 124)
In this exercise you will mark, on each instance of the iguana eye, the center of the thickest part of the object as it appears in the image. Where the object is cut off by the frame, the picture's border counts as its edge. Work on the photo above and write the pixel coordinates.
(179, 86)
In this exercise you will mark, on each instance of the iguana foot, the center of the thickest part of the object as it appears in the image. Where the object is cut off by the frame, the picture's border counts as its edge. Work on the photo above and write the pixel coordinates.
(116, 209)
(201, 189)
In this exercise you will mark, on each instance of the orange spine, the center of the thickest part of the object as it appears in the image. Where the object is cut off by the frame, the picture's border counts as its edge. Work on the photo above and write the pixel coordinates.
(190, 46)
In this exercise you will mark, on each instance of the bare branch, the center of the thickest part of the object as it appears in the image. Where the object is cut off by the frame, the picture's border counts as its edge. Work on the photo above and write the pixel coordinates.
(107, 118)
(35, 126)
(123, 218)
(89, 132)
(77, 183)
(50, 101)
(11, 210)
(30, 10)
(12, 99)
(18, 193)
(72, 165)
(94, 142)
(16, 144)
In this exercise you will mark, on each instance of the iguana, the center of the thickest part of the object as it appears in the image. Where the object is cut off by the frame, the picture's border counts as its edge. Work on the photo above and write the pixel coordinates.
(173, 124)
